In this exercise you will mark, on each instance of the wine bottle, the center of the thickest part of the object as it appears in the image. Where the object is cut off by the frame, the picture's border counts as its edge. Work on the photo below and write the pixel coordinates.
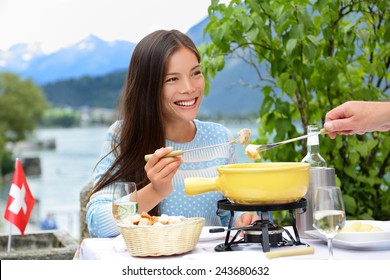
(313, 149)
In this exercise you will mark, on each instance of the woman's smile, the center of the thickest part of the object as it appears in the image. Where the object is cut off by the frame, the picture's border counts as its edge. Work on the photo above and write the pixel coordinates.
(188, 104)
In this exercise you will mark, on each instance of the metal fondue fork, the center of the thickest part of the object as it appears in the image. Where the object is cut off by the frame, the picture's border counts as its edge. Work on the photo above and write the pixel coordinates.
(181, 152)
(262, 148)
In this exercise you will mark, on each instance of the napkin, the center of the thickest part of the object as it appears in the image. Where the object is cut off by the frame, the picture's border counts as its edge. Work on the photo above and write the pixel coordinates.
(119, 244)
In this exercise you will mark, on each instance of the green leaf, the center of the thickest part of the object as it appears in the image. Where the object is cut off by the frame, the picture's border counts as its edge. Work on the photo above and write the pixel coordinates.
(297, 32)
(291, 44)
(278, 11)
(216, 35)
(350, 170)
(349, 39)
(354, 158)
(290, 86)
(246, 22)
(267, 90)
(266, 106)
(310, 51)
(253, 33)
(364, 35)
(364, 148)
(304, 18)
(282, 108)
(219, 62)
(297, 66)
(347, 27)
(386, 35)
(313, 40)
(349, 204)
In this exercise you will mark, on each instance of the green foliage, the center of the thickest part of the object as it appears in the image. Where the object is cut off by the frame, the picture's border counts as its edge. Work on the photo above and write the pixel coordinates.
(22, 104)
(61, 118)
(8, 163)
(311, 56)
(101, 91)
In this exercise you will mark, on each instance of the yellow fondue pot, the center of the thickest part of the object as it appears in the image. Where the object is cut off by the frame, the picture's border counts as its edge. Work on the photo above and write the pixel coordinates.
(255, 183)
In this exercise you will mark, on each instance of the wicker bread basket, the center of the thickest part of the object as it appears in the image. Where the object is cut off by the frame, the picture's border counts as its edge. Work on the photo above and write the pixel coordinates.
(143, 241)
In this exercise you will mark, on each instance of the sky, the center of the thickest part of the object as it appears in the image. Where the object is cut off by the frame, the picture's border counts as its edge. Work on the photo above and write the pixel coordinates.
(55, 24)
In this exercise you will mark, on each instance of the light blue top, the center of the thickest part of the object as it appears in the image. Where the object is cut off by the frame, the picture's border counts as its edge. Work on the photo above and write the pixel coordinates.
(201, 163)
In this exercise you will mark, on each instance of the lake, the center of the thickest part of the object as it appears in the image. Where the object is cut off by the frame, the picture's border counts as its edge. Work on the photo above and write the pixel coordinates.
(68, 168)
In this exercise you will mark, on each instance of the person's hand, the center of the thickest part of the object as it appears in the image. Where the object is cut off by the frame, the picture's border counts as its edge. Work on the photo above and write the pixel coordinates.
(358, 117)
(160, 170)
(246, 219)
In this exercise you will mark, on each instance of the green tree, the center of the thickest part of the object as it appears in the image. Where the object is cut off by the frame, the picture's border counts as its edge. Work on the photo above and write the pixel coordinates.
(22, 104)
(311, 56)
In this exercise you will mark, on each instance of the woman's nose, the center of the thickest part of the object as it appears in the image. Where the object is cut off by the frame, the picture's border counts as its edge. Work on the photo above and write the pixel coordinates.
(187, 86)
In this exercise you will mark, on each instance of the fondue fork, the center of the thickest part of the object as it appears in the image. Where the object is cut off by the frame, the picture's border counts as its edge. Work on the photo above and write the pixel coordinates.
(262, 148)
(181, 152)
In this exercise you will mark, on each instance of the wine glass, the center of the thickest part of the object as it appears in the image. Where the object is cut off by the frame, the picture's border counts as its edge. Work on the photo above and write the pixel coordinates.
(329, 213)
(124, 201)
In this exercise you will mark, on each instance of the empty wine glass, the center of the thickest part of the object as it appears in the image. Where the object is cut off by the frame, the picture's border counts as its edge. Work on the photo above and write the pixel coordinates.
(124, 201)
(329, 213)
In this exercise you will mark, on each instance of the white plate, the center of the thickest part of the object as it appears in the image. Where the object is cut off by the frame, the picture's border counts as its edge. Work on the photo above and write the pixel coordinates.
(360, 240)
(207, 236)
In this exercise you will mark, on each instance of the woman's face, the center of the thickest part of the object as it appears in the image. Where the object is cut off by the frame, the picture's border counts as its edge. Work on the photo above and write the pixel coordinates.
(183, 87)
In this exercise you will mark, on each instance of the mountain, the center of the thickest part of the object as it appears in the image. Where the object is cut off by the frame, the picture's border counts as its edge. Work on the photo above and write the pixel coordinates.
(18, 58)
(92, 71)
(96, 92)
(196, 32)
(91, 56)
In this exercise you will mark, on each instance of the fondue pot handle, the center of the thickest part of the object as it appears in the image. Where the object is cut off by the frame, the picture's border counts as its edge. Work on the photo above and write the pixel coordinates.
(197, 185)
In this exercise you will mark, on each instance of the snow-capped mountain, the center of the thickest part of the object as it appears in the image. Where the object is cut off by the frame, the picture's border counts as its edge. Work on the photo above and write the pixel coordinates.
(91, 56)
(19, 56)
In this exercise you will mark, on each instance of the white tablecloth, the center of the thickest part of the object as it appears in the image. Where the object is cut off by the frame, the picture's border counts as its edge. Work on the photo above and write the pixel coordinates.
(114, 249)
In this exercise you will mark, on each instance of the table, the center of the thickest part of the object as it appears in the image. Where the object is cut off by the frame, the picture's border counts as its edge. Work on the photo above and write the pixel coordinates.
(114, 249)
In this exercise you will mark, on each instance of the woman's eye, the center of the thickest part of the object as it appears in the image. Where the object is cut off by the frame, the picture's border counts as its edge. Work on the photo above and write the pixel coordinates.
(197, 73)
(172, 79)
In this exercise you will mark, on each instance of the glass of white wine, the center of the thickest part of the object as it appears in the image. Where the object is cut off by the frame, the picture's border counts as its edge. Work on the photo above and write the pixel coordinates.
(328, 213)
(124, 201)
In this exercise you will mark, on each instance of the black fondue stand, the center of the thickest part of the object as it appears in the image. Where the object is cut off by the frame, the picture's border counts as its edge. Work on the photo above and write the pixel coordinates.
(264, 225)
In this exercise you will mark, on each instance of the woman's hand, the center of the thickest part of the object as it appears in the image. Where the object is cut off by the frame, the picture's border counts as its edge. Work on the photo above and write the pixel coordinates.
(246, 219)
(160, 170)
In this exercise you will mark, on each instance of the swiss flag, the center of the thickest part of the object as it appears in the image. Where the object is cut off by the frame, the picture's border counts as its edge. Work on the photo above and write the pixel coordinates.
(20, 200)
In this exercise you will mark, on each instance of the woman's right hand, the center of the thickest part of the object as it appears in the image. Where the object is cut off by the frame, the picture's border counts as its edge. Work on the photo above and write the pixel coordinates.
(160, 170)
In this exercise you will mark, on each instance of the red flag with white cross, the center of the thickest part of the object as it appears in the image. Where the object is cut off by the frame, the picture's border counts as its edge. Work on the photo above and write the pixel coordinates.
(20, 200)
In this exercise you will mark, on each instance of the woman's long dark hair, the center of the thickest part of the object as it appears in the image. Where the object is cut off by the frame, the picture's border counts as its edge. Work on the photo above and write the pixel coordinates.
(142, 131)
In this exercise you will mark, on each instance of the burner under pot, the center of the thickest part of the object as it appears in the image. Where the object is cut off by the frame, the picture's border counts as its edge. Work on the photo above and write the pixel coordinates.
(256, 236)
(262, 233)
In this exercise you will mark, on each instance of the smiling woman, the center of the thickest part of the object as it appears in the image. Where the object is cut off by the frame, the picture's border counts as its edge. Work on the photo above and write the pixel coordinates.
(182, 94)
(158, 110)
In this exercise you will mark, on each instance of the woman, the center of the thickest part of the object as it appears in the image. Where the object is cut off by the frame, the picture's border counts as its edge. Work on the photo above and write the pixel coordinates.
(158, 108)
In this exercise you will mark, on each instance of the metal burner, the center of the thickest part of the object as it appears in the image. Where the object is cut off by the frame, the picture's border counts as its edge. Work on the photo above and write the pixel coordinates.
(262, 233)
(256, 235)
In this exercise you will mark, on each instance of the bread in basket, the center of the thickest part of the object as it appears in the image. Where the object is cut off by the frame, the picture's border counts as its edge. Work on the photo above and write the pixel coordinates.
(162, 240)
